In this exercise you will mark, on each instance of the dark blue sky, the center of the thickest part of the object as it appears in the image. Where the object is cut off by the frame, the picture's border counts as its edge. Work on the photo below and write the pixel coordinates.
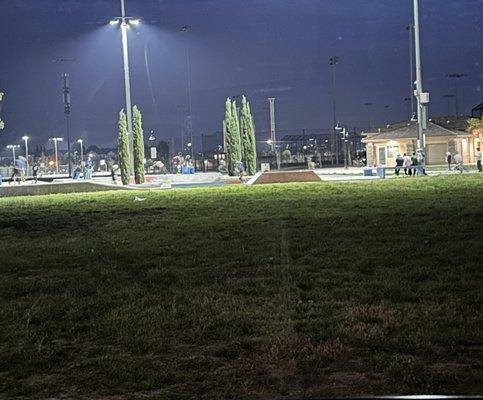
(263, 48)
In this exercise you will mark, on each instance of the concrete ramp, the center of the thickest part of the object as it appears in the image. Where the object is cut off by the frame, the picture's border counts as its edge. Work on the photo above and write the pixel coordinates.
(284, 177)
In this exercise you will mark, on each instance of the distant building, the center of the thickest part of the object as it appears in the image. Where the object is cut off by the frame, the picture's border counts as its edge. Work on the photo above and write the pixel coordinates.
(477, 112)
(442, 136)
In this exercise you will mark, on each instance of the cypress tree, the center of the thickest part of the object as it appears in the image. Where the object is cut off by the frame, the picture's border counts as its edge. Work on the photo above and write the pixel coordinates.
(233, 143)
(138, 146)
(248, 138)
(2, 124)
(123, 148)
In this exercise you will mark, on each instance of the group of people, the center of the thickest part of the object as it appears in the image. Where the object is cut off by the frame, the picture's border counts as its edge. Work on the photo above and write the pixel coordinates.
(19, 173)
(181, 161)
(413, 165)
(457, 159)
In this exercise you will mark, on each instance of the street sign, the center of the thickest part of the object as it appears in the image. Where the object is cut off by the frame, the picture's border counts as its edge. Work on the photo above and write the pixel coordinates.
(154, 153)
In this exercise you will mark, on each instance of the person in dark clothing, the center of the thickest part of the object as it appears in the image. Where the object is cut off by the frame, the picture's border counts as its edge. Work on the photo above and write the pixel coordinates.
(448, 160)
(478, 159)
(399, 164)
(414, 163)
(16, 174)
(35, 171)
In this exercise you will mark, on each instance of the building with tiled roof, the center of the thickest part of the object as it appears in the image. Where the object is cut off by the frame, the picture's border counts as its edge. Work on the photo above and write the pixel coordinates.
(442, 136)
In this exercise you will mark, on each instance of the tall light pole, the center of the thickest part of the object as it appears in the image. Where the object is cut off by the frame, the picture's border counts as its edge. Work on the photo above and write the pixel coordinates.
(344, 137)
(13, 147)
(333, 61)
(386, 108)
(456, 76)
(55, 140)
(368, 105)
(273, 139)
(126, 23)
(448, 97)
(182, 121)
(410, 29)
(189, 120)
(26, 141)
(421, 97)
(81, 144)
(409, 100)
(66, 98)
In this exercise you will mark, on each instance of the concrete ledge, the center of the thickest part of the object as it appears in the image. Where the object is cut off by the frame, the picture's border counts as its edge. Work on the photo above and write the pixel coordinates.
(55, 188)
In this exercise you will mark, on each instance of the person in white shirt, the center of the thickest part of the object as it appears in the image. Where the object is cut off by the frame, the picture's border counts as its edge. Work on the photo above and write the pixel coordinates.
(407, 164)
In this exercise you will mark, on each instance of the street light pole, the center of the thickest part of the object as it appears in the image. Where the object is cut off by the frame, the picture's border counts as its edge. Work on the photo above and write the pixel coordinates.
(421, 97)
(13, 147)
(368, 105)
(25, 139)
(344, 135)
(81, 143)
(66, 94)
(456, 76)
(127, 81)
(410, 28)
(273, 139)
(189, 121)
(55, 140)
(448, 97)
(333, 61)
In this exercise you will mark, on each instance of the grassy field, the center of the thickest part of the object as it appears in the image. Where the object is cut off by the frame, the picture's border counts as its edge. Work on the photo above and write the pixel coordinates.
(296, 290)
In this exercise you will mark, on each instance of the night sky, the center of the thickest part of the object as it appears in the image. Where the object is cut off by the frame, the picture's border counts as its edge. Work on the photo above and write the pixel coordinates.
(262, 48)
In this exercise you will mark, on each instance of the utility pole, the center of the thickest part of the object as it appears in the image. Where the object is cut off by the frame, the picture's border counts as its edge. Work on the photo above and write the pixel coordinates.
(66, 98)
(127, 80)
(55, 140)
(448, 97)
(456, 76)
(81, 144)
(25, 138)
(333, 61)
(272, 122)
(189, 119)
(13, 147)
(410, 29)
(368, 105)
(66, 101)
(421, 97)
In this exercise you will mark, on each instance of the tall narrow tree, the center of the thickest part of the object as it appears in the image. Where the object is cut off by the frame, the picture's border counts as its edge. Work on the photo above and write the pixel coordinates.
(138, 146)
(248, 138)
(123, 148)
(2, 124)
(233, 142)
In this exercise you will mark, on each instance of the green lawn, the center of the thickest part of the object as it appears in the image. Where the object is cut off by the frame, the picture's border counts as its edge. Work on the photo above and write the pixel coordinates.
(244, 292)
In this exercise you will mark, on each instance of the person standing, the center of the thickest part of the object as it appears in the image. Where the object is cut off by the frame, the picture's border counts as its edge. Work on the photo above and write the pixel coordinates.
(458, 159)
(407, 164)
(448, 160)
(15, 174)
(241, 170)
(35, 172)
(399, 164)
(422, 161)
(478, 159)
(414, 164)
